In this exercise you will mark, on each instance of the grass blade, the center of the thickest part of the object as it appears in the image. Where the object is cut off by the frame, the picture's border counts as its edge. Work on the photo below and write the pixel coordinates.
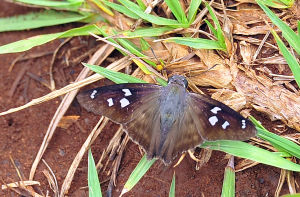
(219, 33)
(276, 140)
(39, 19)
(114, 76)
(292, 38)
(177, 10)
(121, 9)
(150, 18)
(93, 181)
(103, 7)
(139, 171)
(278, 3)
(172, 187)
(228, 189)
(24, 45)
(197, 43)
(73, 5)
(290, 59)
(146, 32)
(193, 10)
(248, 151)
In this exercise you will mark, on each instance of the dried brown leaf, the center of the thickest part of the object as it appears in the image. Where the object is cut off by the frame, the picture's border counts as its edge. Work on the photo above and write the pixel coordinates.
(66, 121)
(247, 51)
(235, 100)
(244, 164)
(215, 73)
(274, 100)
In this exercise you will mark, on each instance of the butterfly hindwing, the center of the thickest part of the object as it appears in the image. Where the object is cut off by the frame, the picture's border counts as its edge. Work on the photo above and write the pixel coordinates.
(183, 136)
(216, 121)
(121, 102)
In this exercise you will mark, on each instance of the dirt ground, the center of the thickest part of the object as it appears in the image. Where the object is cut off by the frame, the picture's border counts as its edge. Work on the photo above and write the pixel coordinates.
(22, 132)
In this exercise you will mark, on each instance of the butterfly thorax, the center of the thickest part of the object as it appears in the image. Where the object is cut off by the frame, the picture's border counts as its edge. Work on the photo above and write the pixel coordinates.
(172, 106)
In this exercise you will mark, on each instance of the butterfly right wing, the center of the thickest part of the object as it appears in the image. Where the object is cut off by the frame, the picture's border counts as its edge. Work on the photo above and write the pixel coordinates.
(217, 121)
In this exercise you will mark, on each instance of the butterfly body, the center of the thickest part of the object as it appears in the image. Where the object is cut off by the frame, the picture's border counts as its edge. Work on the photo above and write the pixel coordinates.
(166, 121)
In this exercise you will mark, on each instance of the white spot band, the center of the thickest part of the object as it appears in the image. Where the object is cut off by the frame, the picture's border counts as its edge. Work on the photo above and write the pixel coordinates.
(127, 92)
(93, 94)
(225, 124)
(243, 124)
(213, 120)
(110, 102)
(215, 110)
(124, 102)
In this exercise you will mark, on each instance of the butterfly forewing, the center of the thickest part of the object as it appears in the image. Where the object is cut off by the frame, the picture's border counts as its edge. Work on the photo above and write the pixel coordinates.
(216, 121)
(121, 103)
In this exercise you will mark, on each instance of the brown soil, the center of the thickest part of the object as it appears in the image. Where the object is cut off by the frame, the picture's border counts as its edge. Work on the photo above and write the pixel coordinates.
(22, 133)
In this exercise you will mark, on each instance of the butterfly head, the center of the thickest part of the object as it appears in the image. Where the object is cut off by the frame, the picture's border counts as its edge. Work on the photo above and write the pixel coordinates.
(178, 80)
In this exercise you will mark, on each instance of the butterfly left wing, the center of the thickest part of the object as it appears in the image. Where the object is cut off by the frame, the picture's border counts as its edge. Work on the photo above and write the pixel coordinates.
(121, 103)
(216, 121)
(135, 106)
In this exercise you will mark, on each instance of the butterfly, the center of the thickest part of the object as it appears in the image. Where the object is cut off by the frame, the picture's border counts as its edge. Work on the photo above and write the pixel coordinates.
(166, 120)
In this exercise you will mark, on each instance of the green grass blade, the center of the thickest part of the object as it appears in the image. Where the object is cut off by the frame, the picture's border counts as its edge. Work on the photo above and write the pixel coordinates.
(62, 5)
(290, 59)
(24, 45)
(39, 19)
(228, 189)
(147, 32)
(172, 187)
(121, 9)
(197, 43)
(211, 27)
(114, 76)
(103, 7)
(150, 18)
(244, 150)
(177, 10)
(144, 44)
(161, 81)
(278, 3)
(291, 195)
(141, 4)
(219, 34)
(292, 38)
(276, 140)
(193, 10)
(132, 48)
(139, 171)
(93, 181)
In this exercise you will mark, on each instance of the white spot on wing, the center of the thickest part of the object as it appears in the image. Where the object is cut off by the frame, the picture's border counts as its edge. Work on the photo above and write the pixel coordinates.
(213, 120)
(124, 102)
(110, 102)
(215, 110)
(225, 125)
(127, 92)
(93, 94)
(243, 124)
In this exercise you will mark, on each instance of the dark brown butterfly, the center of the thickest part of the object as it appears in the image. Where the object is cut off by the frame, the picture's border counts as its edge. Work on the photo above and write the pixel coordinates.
(167, 120)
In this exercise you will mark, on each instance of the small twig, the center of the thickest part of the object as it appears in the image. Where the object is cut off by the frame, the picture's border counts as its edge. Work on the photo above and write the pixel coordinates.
(52, 83)
(24, 57)
(39, 79)
(53, 180)
(17, 80)
(260, 46)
